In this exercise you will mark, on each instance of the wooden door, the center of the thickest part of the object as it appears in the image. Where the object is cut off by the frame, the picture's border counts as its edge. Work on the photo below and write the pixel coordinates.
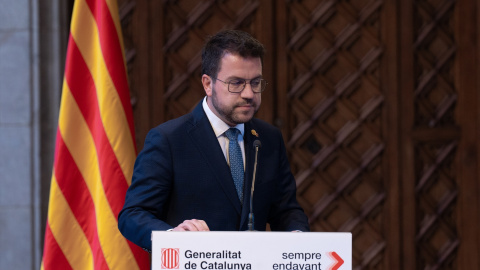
(377, 100)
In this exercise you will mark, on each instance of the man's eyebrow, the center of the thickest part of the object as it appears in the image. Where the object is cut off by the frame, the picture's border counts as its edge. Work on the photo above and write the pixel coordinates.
(243, 79)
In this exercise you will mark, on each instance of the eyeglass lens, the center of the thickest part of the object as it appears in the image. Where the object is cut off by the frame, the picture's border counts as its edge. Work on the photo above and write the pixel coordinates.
(238, 85)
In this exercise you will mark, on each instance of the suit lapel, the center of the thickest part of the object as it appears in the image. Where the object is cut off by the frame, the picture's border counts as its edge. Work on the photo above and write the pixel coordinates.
(204, 138)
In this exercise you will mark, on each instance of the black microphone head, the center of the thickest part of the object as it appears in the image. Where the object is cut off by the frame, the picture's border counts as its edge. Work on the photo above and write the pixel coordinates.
(256, 144)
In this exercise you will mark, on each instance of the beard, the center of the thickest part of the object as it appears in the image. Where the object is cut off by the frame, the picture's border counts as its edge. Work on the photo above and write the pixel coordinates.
(228, 113)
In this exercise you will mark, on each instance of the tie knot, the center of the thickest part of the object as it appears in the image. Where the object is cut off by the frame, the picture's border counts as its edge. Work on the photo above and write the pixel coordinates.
(232, 134)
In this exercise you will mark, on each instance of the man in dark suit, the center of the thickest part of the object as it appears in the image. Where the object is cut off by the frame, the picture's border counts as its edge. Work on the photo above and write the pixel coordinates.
(191, 177)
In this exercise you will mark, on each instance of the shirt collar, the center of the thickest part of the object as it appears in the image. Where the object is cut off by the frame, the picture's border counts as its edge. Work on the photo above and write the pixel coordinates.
(219, 127)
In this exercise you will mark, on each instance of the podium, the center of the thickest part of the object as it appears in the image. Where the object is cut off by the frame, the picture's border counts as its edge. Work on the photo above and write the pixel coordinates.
(251, 250)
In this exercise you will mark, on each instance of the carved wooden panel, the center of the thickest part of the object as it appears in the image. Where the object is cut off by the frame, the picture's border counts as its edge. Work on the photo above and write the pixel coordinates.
(336, 138)
(435, 100)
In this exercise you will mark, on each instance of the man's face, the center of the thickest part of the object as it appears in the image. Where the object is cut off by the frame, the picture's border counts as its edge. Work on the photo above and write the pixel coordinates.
(234, 108)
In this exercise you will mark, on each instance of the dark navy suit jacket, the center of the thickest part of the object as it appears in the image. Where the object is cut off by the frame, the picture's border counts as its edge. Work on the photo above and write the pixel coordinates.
(182, 174)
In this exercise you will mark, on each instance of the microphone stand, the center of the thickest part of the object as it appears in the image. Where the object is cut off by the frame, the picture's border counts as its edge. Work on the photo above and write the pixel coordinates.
(257, 145)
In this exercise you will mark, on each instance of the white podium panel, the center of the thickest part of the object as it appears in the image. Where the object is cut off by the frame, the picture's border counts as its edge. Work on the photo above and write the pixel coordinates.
(251, 250)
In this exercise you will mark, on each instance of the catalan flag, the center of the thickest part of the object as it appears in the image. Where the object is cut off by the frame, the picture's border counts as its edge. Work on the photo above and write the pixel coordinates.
(95, 149)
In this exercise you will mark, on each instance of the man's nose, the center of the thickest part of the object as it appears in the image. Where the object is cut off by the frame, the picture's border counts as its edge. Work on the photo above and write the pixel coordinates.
(248, 91)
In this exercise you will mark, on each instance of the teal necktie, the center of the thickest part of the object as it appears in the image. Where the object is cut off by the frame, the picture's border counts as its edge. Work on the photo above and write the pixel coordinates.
(236, 160)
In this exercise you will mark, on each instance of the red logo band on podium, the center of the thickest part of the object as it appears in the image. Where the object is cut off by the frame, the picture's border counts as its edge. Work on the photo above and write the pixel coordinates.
(170, 258)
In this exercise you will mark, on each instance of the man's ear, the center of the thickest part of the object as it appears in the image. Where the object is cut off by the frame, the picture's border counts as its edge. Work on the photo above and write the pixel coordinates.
(207, 84)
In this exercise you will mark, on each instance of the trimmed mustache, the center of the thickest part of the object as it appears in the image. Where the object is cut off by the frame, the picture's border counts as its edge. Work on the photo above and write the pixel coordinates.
(247, 102)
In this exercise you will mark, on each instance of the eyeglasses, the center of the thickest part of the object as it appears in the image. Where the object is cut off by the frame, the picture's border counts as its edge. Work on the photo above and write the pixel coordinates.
(237, 85)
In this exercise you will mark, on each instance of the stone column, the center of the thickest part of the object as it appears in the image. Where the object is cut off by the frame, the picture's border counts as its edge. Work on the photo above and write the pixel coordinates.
(33, 38)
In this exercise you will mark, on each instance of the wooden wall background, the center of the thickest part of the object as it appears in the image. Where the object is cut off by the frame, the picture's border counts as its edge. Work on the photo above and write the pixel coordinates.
(377, 100)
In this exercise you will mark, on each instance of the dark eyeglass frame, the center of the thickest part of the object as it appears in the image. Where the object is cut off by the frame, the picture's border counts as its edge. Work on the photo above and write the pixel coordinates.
(244, 85)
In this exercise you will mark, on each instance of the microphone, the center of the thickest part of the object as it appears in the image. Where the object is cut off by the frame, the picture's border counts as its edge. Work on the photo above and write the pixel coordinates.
(256, 144)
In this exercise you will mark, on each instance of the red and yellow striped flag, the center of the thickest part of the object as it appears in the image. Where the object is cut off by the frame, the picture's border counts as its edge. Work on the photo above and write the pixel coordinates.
(95, 149)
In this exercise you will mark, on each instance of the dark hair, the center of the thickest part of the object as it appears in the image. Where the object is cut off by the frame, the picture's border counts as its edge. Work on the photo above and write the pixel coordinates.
(229, 41)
